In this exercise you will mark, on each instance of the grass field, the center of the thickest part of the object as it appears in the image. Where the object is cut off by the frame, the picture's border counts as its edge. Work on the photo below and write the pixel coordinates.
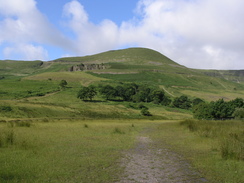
(215, 148)
(47, 134)
(64, 151)
(48, 150)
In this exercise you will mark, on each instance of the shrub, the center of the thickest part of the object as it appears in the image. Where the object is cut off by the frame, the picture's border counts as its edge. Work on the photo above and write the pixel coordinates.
(145, 112)
(141, 106)
(63, 84)
(239, 113)
(182, 102)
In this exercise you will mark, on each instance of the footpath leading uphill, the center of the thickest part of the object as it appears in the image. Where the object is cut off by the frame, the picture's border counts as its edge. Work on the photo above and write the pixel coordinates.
(147, 163)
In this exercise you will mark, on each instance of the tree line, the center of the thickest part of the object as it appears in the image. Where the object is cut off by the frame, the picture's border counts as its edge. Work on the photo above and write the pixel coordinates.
(133, 92)
(220, 109)
(130, 92)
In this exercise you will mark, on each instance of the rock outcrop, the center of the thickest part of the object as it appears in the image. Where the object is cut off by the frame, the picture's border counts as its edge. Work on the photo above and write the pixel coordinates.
(87, 67)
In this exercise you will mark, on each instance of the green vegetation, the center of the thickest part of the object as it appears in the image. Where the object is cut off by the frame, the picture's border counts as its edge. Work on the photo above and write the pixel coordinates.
(69, 120)
(219, 109)
(87, 93)
(182, 102)
(229, 134)
(239, 113)
(215, 148)
(63, 83)
(89, 150)
(61, 151)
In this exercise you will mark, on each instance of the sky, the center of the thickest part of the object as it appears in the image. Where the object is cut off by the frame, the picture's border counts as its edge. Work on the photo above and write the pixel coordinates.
(202, 34)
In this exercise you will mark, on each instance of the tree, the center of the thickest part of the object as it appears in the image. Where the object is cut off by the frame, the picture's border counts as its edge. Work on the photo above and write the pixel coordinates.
(63, 83)
(92, 92)
(126, 92)
(202, 111)
(197, 101)
(87, 93)
(143, 94)
(221, 109)
(120, 91)
(108, 91)
(158, 96)
(182, 102)
(166, 101)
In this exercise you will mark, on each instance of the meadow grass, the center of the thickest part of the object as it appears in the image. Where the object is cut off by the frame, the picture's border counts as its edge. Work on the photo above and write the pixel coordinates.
(203, 147)
(90, 150)
(65, 151)
(17, 88)
(81, 78)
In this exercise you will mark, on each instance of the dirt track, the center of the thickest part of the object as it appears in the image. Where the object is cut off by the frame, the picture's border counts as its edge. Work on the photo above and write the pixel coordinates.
(149, 164)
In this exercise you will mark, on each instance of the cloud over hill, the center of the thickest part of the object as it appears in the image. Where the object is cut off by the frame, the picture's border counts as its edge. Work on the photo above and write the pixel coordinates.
(195, 33)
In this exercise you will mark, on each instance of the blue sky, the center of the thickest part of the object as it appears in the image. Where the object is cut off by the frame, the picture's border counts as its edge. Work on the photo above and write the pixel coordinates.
(205, 34)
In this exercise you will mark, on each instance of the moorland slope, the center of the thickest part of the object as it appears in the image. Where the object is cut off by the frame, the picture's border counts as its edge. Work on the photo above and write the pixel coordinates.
(31, 88)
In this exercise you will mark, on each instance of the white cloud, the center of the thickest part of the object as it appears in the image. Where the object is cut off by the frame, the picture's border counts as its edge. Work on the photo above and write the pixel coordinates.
(200, 34)
(91, 38)
(195, 33)
(23, 23)
(26, 52)
(184, 29)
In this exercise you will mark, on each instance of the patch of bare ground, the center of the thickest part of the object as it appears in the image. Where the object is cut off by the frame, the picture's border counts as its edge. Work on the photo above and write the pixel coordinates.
(147, 163)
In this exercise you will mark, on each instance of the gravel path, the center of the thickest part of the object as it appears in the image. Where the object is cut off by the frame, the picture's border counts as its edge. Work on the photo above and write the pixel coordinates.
(150, 164)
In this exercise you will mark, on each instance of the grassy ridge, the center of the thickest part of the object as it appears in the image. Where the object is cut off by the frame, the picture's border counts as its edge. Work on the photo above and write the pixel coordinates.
(10, 67)
(19, 88)
(131, 55)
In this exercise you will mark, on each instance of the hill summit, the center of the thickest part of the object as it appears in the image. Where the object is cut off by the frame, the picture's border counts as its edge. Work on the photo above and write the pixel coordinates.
(129, 55)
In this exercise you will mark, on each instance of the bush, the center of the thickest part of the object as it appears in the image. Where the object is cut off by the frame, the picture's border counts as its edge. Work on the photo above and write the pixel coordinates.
(145, 112)
(239, 113)
(182, 102)
(141, 106)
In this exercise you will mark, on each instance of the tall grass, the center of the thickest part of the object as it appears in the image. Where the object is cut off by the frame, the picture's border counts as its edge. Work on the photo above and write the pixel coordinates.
(229, 134)
(7, 138)
(202, 144)
(65, 151)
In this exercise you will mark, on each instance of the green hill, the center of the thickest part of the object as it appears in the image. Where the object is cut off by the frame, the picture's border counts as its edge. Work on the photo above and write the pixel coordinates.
(35, 84)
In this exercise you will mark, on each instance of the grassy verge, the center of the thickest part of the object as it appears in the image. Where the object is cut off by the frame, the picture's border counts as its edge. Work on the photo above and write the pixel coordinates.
(64, 151)
(212, 147)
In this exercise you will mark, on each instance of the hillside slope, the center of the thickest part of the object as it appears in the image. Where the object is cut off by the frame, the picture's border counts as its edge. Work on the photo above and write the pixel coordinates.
(36, 83)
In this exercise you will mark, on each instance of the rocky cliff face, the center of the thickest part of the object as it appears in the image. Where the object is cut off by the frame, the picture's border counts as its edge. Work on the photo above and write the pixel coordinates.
(87, 67)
